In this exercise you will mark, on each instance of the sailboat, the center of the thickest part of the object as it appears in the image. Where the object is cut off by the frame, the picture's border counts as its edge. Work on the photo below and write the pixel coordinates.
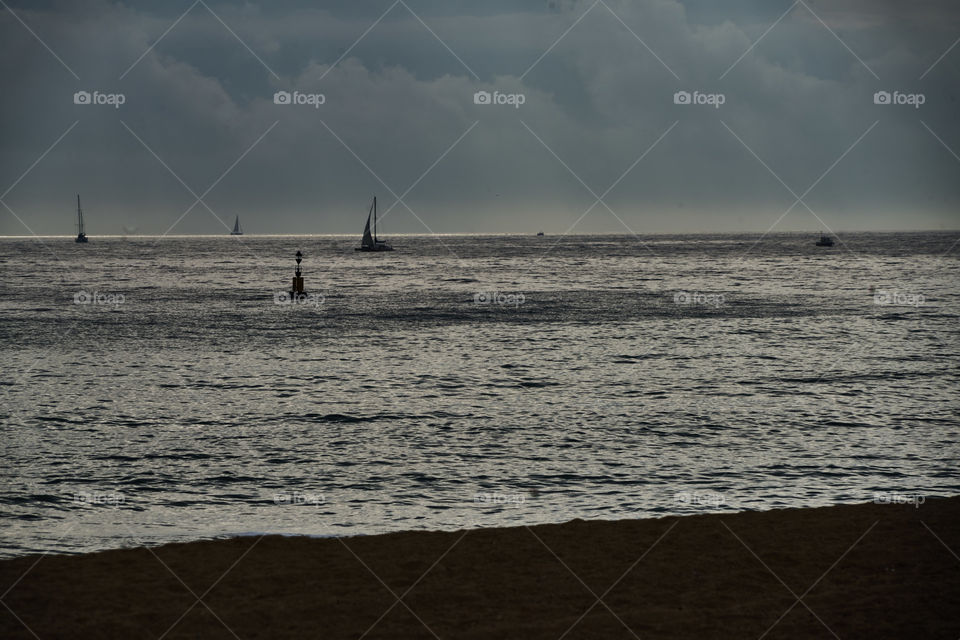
(825, 240)
(371, 242)
(81, 236)
(237, 231)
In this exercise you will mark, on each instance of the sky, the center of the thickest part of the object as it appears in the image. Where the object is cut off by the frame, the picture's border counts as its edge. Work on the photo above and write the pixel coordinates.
(588, 129)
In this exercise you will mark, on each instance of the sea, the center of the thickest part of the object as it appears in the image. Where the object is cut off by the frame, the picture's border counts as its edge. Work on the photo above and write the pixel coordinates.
(170, 389)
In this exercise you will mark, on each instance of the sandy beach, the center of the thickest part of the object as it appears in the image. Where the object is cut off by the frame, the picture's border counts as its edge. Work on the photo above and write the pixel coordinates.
(878, 571)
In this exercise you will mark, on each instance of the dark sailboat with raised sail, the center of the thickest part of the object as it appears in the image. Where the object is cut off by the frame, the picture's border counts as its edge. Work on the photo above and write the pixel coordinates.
(237, 231)
(370, 242)
(81, 236)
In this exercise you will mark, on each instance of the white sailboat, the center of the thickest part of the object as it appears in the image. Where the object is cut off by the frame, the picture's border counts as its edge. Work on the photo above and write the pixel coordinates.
(370, 242)
(81, 236)
(237, 231)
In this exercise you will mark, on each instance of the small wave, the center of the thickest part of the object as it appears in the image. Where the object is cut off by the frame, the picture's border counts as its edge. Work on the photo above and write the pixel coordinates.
(168, 456)
(627, 358)
(882, 375)
(341, 418)
(536, 384)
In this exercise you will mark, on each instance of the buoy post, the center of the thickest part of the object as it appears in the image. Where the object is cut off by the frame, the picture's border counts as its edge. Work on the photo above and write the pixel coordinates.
(297, 278)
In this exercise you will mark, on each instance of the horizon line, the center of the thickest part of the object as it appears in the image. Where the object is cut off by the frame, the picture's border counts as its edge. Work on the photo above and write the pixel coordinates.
(476, 234)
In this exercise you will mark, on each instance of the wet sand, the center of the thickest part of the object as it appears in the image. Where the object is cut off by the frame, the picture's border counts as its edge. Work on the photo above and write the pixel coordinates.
(877, 571)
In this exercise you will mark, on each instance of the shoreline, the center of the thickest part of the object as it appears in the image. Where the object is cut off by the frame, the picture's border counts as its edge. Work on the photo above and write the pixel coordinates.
(877, 570)
(223, 535)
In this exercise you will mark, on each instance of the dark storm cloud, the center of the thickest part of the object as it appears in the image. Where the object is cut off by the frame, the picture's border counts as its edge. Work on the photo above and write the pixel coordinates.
(399, 100)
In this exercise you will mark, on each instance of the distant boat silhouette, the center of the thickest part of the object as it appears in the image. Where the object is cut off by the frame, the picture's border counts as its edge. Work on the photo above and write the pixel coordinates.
(370, 242)
(81, 236)
(539, 233)
(237, 231)
(825, 241)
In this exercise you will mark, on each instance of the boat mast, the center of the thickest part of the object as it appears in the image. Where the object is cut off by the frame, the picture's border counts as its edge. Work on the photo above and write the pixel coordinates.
(374, 219)
(79, 216)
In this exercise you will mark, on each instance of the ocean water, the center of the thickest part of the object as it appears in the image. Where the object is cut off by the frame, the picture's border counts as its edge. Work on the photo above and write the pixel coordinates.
(465, 381)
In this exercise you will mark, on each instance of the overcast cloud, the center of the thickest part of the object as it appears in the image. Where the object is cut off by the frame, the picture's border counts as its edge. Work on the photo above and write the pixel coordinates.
(397, 100)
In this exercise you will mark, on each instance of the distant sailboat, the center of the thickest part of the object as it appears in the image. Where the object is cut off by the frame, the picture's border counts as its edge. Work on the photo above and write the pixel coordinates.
(370, 242)
(81, 236)
(825, 241)
(539, 233)
(237, 231)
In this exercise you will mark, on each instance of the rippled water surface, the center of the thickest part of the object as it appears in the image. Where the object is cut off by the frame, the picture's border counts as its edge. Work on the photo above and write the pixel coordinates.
(605, 377)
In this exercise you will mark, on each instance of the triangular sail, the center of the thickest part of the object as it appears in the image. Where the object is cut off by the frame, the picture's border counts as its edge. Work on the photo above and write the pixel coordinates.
(370, 241)
(236, 226)
(81, 236)
(367, 237)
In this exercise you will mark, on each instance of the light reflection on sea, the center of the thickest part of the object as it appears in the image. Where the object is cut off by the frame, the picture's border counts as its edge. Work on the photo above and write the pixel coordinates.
(197, 407)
